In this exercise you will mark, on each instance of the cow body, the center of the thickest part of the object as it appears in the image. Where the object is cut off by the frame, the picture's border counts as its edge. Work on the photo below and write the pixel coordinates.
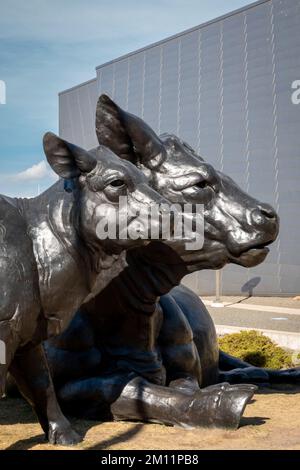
(175, 330)
(52, 261)
(20, 307)
(40, 253)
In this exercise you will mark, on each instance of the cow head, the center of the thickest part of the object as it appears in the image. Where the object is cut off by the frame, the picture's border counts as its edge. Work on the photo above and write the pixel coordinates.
(100, 179)
(237, 227)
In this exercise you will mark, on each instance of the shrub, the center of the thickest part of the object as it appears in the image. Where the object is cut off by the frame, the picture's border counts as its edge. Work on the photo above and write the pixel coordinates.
(257, 349)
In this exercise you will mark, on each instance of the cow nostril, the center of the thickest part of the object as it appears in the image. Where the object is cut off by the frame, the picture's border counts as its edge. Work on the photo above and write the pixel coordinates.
(267, 211)
(263, 214)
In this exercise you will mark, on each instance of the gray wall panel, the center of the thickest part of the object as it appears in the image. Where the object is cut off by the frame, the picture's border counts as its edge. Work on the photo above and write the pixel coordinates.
(136, 84)
(77, 114)
(169, 112)
(152, 87)
(120, 85)
(105, 80)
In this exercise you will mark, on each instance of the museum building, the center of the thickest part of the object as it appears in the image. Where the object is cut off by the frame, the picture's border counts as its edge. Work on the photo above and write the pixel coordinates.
(231, 89)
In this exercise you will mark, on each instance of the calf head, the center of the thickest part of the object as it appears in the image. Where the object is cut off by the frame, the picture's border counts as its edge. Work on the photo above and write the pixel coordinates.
(100, 178)
(237, 227)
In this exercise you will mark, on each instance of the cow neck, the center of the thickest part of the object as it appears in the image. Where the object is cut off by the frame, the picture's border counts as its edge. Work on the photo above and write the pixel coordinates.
(151, 271)
(66, 274)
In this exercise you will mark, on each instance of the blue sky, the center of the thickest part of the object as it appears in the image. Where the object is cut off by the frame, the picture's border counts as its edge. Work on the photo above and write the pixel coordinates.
(47, 46)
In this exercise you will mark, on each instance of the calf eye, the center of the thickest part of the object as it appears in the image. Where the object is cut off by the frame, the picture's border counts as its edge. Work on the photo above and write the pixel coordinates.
(202, 184)
(117, 183)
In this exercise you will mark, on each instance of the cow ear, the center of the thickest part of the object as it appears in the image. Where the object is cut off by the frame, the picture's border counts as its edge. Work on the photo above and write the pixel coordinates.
(127, 135)
(67, 160)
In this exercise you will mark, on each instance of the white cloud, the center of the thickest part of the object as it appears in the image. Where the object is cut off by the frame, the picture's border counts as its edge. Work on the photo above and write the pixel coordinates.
(35, 172)
(28, 183)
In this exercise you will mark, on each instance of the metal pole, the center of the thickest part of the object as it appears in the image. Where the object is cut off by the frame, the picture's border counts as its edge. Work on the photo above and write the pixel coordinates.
(217, 302)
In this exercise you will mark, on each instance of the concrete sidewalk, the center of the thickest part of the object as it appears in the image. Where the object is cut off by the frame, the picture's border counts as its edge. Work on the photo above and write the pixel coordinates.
(278, 318)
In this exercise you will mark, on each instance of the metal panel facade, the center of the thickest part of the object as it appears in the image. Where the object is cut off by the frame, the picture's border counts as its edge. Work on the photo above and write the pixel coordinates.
(225, 87)
(77, 110)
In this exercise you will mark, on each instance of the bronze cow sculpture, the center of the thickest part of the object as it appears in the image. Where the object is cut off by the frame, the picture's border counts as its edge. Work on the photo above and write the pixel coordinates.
(173, 342)
(52, 261)
(122, 132)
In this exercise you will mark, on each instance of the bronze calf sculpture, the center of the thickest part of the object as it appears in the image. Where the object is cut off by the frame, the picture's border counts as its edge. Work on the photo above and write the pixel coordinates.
(166, 345)
(173, 177)
(52, 261)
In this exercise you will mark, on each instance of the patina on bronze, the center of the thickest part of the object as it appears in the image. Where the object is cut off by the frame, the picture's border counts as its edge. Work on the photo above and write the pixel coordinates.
(172, 340)
(52, 261)
(124, 133)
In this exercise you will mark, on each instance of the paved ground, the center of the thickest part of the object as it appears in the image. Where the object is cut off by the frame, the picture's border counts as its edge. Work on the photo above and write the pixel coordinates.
(289, 302)
(272, 421)
(268, 313)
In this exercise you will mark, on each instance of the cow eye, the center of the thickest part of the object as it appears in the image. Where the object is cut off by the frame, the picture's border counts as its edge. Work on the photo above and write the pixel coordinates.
(202, 184)
(118, 183)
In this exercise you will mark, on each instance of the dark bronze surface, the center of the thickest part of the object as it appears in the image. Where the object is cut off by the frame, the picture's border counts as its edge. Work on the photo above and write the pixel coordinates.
(154, 345)
(52, 261)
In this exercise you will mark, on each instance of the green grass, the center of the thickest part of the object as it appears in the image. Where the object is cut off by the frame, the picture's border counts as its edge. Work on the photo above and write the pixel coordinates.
(256, 348)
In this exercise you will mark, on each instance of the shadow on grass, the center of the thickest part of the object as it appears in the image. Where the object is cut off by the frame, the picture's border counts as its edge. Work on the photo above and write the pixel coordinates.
(26, 444)
(253, 421)
(121, 437)
(16, 411)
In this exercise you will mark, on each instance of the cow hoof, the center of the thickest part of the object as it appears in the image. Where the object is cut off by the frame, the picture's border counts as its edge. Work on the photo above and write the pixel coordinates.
(65, 436)
(220, 406)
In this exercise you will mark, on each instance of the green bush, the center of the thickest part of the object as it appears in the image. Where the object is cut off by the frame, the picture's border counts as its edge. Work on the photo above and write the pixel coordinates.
(255, 348)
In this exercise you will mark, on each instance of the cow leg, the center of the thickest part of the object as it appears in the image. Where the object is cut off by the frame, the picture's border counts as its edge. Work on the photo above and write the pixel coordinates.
(8, 346)
(249, 375)
(123, 397)
(219, 406)
(179, 353)
(234, 370)
(260, 376)
(285, 376)
(31, 373)
(91, 397)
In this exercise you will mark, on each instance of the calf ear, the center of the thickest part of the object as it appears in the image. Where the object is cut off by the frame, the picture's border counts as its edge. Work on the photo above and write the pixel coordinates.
(127, 135)
(67, 160)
